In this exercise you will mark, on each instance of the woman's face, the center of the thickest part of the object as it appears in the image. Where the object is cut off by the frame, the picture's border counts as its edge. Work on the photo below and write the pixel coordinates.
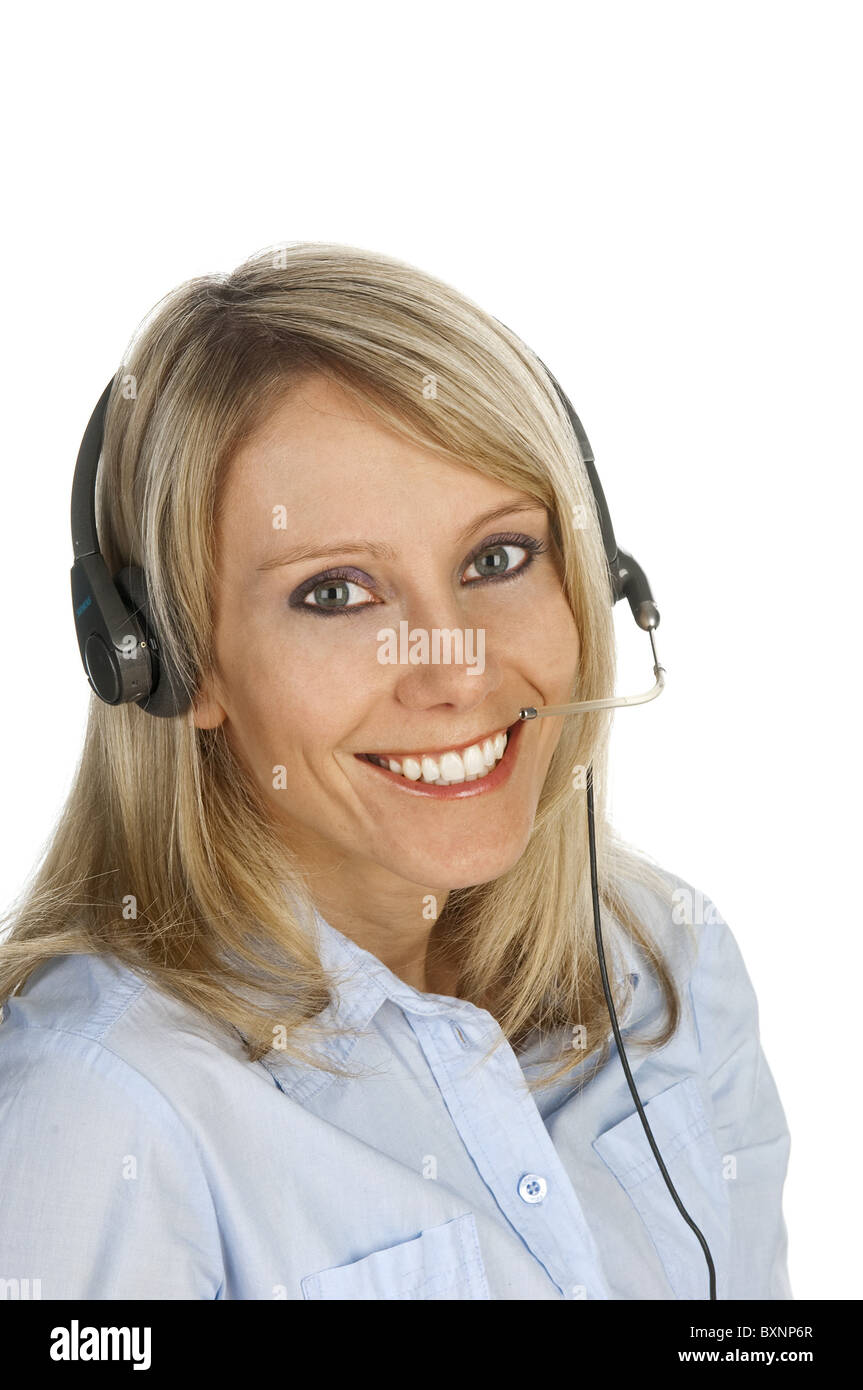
(298, 680)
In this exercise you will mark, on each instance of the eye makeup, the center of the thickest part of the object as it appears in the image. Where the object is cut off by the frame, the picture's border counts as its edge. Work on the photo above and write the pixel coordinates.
(343, 576)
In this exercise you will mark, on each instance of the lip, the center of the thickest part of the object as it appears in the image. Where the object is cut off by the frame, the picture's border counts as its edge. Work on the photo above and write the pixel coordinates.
(457, 791)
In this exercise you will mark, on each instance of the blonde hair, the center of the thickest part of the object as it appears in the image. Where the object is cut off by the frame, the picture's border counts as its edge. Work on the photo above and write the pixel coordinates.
(163, 814)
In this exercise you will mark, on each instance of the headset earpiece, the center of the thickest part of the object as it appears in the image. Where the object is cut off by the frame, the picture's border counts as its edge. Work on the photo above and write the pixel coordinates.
(121, 652)
(111, 639)
(167, 696)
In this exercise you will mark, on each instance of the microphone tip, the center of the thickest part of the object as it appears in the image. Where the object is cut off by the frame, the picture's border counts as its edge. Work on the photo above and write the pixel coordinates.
(647, 616)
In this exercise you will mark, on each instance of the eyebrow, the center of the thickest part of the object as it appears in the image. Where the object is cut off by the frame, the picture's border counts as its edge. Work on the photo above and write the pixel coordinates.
(380, 549)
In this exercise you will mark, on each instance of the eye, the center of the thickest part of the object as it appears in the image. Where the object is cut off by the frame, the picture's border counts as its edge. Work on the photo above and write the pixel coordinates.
(498, 557)
(332, 593)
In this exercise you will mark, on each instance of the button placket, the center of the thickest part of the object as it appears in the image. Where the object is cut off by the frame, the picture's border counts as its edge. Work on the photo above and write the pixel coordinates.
(494, 1100)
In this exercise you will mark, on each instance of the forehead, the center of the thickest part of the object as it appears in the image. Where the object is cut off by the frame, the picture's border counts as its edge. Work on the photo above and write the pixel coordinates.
(315, 430)
(322, 454)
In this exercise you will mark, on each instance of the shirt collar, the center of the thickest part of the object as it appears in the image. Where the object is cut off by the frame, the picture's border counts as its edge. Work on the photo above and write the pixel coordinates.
(363, 983)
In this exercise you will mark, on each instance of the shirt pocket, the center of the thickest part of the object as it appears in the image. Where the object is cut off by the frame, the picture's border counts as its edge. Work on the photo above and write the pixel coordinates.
(683, 1135)
(441, 1262)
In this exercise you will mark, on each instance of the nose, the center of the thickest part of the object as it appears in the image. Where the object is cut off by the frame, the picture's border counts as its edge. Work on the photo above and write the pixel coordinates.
(441, 661)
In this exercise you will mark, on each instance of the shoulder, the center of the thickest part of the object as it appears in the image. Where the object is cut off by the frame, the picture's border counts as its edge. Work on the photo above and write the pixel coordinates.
(80, 994)
(683, 923)
(689, 933)
(92, 1113)
(89, 1024)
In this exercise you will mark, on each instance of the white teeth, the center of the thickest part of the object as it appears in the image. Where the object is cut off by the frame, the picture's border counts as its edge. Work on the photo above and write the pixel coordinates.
(452, 768)
(474, 762)
(467, 766)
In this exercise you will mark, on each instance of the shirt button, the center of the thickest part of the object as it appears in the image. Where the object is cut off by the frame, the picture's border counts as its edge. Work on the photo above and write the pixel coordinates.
(532, 1188)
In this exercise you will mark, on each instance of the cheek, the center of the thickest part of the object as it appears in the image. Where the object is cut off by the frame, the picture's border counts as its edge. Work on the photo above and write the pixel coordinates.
(285, 707)
(552, 643)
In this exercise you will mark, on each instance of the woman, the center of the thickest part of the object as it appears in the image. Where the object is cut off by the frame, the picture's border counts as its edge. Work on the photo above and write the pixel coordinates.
(302, 1002)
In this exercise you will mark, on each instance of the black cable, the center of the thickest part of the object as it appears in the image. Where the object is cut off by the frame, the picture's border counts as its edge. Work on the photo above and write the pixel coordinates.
(620, 1049)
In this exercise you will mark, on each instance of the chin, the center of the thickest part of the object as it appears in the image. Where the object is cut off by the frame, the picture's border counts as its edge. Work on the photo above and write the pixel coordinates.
(452, 870)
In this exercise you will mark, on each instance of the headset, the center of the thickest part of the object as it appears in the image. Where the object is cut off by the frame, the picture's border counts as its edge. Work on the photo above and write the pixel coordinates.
(121, 651)
(125, 661)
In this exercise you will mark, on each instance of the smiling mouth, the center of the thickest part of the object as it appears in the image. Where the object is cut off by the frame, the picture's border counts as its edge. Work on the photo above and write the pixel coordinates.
(471, 763)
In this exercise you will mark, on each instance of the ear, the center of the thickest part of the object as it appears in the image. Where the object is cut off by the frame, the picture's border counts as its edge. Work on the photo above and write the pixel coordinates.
(207, 712)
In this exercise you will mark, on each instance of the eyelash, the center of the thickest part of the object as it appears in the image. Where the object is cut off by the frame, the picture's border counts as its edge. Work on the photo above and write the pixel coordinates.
(528, 543)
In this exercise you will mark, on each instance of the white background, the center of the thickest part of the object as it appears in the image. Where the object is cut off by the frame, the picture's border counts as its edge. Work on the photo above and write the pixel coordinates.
(663, 200)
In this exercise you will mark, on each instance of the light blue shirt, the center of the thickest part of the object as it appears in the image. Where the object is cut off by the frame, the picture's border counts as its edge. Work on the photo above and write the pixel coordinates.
(142, 1155)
